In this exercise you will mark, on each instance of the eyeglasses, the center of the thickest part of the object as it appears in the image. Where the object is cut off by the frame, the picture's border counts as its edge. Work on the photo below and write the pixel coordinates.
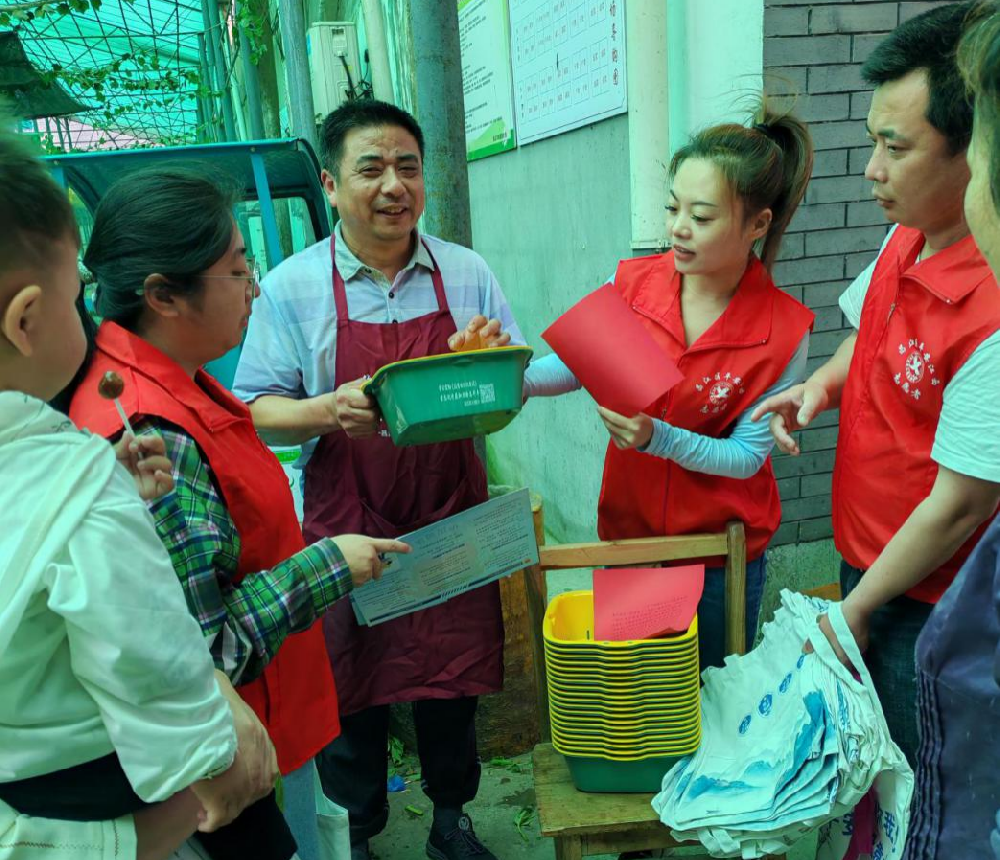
(253, 277)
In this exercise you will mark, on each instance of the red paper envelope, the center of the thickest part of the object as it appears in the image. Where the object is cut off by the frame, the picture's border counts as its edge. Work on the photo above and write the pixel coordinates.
(612, 354)
(645, 603)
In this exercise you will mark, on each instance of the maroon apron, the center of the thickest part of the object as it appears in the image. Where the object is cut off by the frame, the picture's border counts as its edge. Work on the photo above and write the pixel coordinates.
(371, 487)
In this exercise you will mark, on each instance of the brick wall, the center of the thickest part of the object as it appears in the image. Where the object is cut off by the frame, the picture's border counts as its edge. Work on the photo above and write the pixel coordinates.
(815, 51)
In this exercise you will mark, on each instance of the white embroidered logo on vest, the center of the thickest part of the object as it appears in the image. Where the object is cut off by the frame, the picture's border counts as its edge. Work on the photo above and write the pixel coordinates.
(721, 389)
(917, 367)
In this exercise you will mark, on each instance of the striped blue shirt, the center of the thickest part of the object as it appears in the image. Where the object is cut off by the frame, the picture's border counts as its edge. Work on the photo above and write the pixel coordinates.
(291, 344)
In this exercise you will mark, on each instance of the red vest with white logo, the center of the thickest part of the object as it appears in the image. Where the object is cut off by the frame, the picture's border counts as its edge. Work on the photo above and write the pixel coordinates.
(295, 698)
(729, 367)
(919, 324)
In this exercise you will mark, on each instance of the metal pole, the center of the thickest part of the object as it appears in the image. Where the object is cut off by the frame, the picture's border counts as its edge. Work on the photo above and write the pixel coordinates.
(440, 107)
(59, 130)
(301, 110)
(212, 31)
(271, 239)
(207, 102)
(252, 85)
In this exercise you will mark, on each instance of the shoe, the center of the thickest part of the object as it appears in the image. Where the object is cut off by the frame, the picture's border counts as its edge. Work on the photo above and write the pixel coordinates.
(360, 851)
(458, 843)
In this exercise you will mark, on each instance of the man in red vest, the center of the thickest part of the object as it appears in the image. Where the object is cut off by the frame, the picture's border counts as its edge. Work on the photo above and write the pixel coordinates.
(917, 475)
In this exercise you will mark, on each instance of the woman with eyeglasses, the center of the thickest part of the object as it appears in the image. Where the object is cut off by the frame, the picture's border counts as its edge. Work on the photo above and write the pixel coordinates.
(175, 291)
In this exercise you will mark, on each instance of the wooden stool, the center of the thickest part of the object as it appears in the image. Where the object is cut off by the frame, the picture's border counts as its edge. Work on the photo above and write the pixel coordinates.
(585, 824)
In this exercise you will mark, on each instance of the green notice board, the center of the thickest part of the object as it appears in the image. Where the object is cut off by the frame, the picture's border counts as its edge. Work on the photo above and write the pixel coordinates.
(486, 77)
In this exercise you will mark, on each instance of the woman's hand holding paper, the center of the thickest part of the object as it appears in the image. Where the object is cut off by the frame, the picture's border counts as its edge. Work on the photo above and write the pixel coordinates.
(625, 432)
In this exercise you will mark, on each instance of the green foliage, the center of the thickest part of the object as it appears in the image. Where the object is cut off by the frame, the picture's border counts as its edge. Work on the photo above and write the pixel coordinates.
(12, 14)
(254, 24)
(135, 82)
(523, 819)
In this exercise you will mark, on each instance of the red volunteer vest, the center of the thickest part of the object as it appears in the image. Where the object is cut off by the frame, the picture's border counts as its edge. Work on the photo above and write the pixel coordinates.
(295, 698)
(919, 324)
(729, 367)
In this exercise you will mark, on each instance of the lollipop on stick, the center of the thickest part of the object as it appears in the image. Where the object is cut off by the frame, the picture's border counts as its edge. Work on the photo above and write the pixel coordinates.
(111, 387)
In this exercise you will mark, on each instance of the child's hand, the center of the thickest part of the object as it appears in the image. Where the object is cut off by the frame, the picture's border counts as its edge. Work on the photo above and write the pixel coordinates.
(625, 432)
(147, 462)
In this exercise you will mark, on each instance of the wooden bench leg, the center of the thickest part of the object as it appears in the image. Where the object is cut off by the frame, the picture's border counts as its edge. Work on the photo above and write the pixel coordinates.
(569, 848)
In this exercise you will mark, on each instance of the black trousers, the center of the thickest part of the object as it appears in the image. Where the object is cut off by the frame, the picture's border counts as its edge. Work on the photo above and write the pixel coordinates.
(354, 768)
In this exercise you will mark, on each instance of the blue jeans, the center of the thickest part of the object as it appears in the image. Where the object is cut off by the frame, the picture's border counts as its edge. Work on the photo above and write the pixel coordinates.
(712, 611)
(300, 809)
(891, 659)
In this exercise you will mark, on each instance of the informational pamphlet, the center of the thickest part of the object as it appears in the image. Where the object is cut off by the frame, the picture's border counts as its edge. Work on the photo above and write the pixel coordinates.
(451, 557)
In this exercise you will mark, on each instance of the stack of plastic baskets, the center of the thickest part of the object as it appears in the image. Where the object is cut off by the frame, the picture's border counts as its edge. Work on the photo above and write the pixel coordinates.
(622, 712)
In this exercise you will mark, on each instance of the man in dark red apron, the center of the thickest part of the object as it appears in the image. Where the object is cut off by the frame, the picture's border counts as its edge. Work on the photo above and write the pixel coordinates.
(378, 292)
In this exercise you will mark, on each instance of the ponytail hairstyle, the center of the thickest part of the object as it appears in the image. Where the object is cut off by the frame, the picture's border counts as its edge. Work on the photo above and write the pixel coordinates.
(767, 166)
(172, 221)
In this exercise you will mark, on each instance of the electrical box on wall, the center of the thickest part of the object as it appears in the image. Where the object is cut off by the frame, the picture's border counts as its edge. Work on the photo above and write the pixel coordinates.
(334, 65)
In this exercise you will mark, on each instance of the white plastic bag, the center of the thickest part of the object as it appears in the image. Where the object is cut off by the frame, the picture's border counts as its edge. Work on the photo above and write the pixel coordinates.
(790, 741)
(334, 827)
(893, 787)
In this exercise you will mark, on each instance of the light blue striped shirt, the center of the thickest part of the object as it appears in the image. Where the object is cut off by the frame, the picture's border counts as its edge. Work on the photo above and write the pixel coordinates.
(291, 344)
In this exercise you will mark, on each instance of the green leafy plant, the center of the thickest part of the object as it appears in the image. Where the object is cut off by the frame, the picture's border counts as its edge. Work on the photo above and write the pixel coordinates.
(524, 817)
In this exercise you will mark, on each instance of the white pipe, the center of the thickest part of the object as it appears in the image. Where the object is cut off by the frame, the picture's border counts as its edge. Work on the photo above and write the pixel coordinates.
(648, 119)
(378, 51)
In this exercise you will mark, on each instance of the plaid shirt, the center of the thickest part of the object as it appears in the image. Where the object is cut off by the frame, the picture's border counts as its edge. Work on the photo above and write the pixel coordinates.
(246, 622)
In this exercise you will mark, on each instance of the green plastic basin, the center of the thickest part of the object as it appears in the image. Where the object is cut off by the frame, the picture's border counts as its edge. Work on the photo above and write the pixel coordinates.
(455, 396)
(643, 776)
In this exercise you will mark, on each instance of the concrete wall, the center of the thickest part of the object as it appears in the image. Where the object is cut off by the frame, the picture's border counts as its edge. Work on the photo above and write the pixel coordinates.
(552, 220)
(715, 57)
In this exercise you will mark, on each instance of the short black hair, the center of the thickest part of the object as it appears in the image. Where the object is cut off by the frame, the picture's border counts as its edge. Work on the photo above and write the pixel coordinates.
(361, 113)
(929, 41)
(34, 210)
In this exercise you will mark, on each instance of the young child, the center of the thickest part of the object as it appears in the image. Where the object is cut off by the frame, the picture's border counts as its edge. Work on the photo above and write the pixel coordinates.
(104, 672)
(694, 460)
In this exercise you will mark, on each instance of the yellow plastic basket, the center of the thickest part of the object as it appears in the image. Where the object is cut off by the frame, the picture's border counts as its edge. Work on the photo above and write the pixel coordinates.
(569, 621)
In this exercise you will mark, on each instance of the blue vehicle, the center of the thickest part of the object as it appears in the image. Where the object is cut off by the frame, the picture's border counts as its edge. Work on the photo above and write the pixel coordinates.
(283, 207)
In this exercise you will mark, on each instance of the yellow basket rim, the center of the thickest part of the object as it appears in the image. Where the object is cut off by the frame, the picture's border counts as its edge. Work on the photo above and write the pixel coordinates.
(548, 622)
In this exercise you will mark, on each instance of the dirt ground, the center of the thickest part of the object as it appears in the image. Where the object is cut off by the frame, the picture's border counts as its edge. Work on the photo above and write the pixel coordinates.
(503, 816)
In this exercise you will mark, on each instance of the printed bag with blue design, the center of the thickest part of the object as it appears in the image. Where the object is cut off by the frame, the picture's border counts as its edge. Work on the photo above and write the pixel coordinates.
(791, 742)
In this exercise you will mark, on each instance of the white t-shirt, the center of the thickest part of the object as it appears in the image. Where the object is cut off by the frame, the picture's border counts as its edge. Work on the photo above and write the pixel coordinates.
(967, 439)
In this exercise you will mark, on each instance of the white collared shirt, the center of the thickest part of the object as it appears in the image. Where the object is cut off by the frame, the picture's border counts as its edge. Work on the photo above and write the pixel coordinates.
(291, 344)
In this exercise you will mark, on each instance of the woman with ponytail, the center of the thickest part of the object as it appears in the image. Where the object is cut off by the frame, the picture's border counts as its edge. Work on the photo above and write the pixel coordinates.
(693, 460)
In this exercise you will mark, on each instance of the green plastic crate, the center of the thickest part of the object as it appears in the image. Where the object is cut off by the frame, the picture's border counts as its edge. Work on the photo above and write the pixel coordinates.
(455, 396)
(642, 776)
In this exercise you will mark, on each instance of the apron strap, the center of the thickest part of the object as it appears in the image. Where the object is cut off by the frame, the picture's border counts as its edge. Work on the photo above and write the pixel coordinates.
(340, 291)
(438, 281)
